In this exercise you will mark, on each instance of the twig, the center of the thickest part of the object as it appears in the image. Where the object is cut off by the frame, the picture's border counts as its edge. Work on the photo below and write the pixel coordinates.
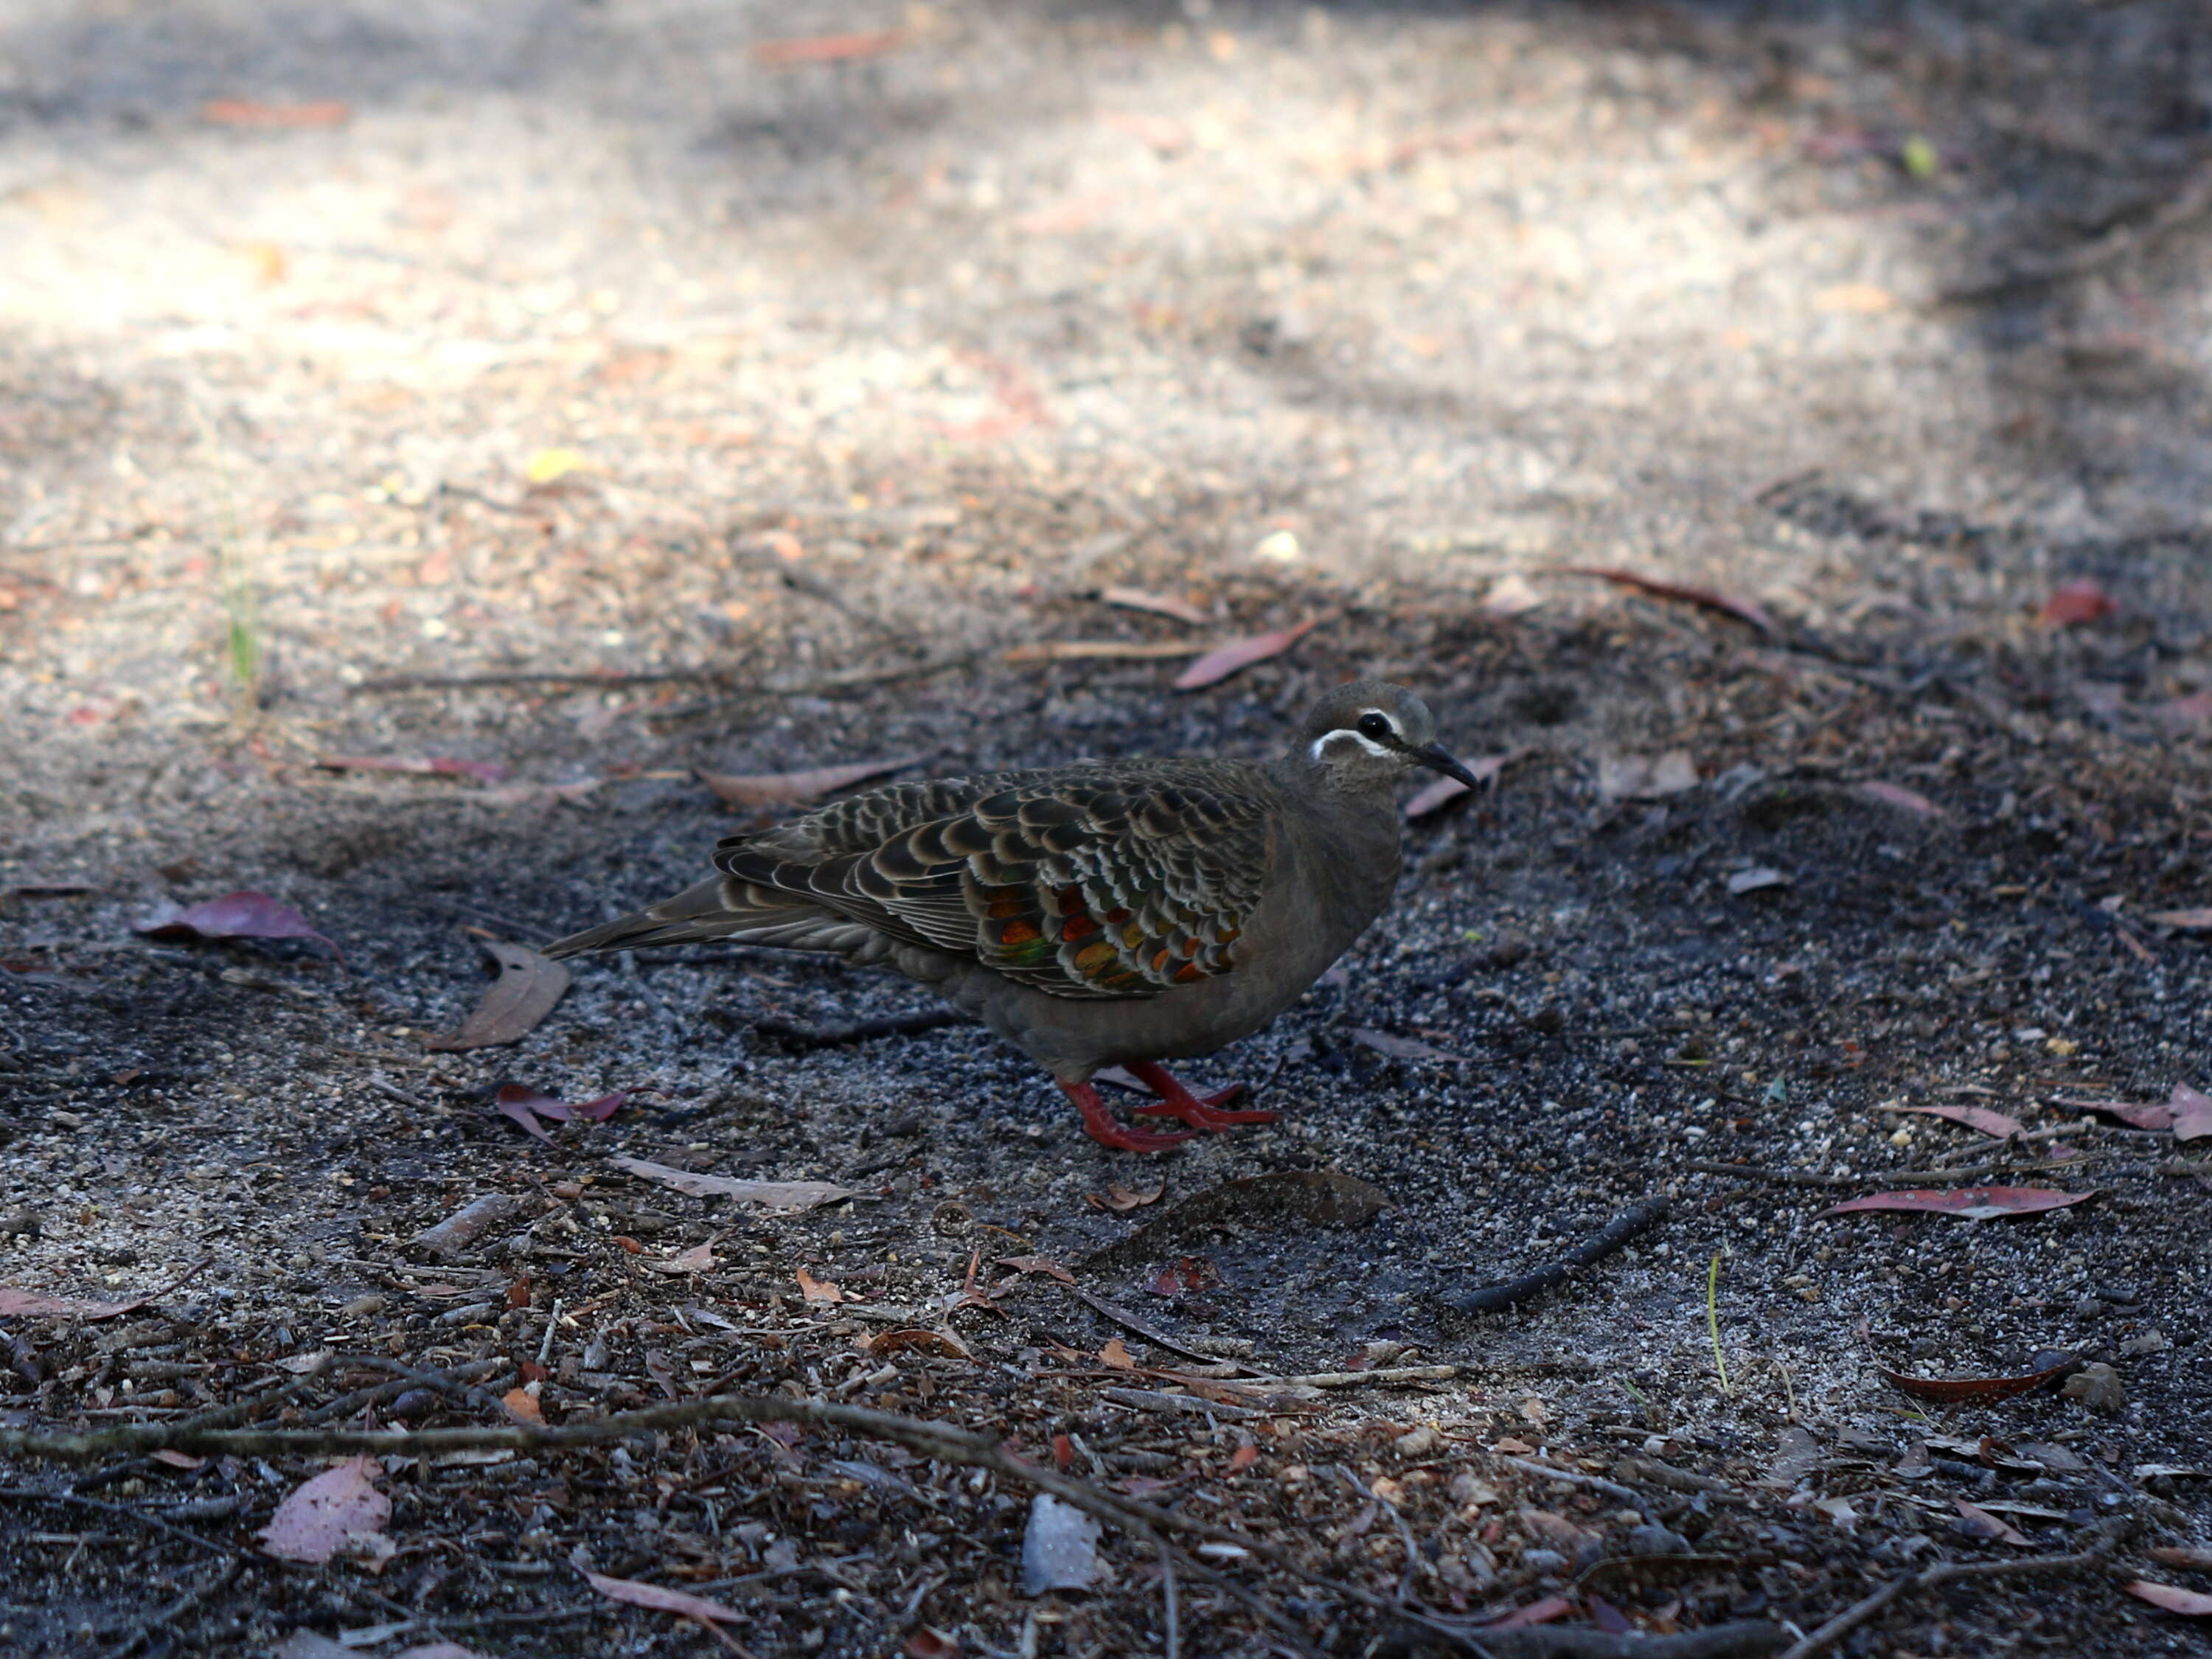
(2191, 199)
(1169, 1614)
(569, 676)
(69, 1499)
(842, 679)
(1576, 1478)
(1865, 1608)
(1624, 1227)
(1357, 1379)
(1713, 1320)
(798, 1039)
(1129, 1322)
(166, 1618)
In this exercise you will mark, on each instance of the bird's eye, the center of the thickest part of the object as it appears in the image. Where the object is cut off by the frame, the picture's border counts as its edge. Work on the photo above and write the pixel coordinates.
(1374, 726)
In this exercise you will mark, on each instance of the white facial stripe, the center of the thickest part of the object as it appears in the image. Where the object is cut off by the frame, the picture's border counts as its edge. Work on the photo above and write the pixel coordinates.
(1366, 742)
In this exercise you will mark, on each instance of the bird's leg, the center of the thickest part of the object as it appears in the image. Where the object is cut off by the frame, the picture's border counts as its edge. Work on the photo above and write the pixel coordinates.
(1199, 1111)
(1100, 1125)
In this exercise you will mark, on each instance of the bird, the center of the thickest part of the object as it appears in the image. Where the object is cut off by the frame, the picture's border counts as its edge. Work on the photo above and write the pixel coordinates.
(1115, 912)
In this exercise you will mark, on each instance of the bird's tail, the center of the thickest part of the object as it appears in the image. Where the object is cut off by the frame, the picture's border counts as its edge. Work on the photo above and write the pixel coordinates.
(718, 908)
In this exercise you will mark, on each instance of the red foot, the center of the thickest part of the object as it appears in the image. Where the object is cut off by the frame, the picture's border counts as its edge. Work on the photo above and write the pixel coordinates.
(1100, 1125)
(1197, 1110)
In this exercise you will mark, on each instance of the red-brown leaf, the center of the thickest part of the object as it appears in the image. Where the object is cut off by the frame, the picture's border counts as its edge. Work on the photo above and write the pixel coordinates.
(235, 915)
(1978, 1522)
(1896, 794)
(1969, 1203)
(914, 1338)
(1159, 604)
(658, 1600)
(1444, 791)
(2193, 1604)
(1542, 1611)
(1974, 1118)
(527, 987)
(2187, 921)
(828, 48)
(1971, 1390)
(315, 1521)
(1741, 610)
(2192, 1113)
(1179, 1278)
(2158, 1116)
(817, 1290)
(788, 788)
(1218, 664)
(434, 765)
(2075, 602)
(252, 112)
(1038, 1264)
(526, 1106)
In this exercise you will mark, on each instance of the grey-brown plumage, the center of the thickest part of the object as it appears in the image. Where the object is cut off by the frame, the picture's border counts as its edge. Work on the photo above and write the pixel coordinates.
(1115, 913)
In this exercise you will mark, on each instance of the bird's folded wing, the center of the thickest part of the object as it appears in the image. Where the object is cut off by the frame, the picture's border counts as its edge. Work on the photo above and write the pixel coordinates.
(1085, 884)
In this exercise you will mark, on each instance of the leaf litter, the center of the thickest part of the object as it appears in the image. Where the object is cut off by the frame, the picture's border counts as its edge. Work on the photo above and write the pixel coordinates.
(243, 914)
(326, 1515)
(528, 1107)
(1967, 1204)
(527, 987)
(1224, 661)
(764, 789)
(771, 1195)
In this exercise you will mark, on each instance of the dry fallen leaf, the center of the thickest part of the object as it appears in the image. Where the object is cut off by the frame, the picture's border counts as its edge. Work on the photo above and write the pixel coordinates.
(320, 1518)
(1119, 1198)
(699, 1259)
(1896, 794)
(235, 915)
(2192, 1113)
(2074, 602)
(1969, 1203)
(2187, 921)
(1218, 664)
(1978, 1522)
(818, 1289)
(2152, 1116)
(2193, 1604)
(774, 1194)
(522, 1406)
(1116, 1355)
(1181, 1277)
(1645, 777)
(252, 112)
(1971, 1390)
(1398, 1048)
(1542, 1611)
(524, 993)
(915, 1340)
(1444, 791)
(652, 1596)
(434, 765)
(1741, 610)
(828, 48)
(2177, 1555)
(788, 788)
(1974, 1118)
(1036, 1264)
(1159, 604)
(32, 1304)
(526, 1106)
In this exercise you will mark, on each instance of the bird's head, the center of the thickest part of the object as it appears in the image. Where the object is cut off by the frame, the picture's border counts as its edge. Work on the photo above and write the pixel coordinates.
(1365, 735)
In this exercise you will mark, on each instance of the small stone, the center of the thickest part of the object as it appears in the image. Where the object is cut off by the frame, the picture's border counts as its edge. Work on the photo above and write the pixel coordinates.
(1542, 1561)
(20, 1224)
(2151, 1341)
(1652, 1539)
(2098, 1387)
(1423, 1442)
(2088, 1308)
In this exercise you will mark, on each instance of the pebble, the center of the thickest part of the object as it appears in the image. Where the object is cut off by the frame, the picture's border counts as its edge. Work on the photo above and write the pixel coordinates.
(2098, 1387)
(1652, 1539)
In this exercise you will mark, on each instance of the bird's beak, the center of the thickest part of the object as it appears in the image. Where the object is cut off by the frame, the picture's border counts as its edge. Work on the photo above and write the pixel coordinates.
(1434, 756)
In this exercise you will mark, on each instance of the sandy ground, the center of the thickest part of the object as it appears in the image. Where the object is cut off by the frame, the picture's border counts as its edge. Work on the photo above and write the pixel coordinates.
(480, 363)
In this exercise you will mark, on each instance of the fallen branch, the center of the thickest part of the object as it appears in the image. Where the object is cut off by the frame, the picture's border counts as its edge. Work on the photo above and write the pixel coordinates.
(1576, 1478)
(1627, 1225)
(1944, 1572)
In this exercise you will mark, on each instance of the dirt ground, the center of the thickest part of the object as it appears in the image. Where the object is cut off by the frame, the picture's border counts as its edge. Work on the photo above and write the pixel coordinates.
(606, 392)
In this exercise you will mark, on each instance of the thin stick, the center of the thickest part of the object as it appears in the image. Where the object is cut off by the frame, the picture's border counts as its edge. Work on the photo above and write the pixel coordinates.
(1865, 1608)
(1169, 1614)
(1576, 1478)
(1628, 1226)
(1713, 1318)
(31, 1495)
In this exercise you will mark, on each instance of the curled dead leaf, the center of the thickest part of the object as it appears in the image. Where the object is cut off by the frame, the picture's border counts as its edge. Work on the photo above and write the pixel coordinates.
(820, 1290)
(1978, 1522)
(1741, 610)
(524, 993)
(1218, 664)
(1969, 1204)
(1974, 1118)
(659, 1599)
(915, 1340)
(1974, 1390)
(789, 788)
(235, 915)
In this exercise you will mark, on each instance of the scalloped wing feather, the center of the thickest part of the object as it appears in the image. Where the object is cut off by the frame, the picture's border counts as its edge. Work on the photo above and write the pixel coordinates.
(1122, 880)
